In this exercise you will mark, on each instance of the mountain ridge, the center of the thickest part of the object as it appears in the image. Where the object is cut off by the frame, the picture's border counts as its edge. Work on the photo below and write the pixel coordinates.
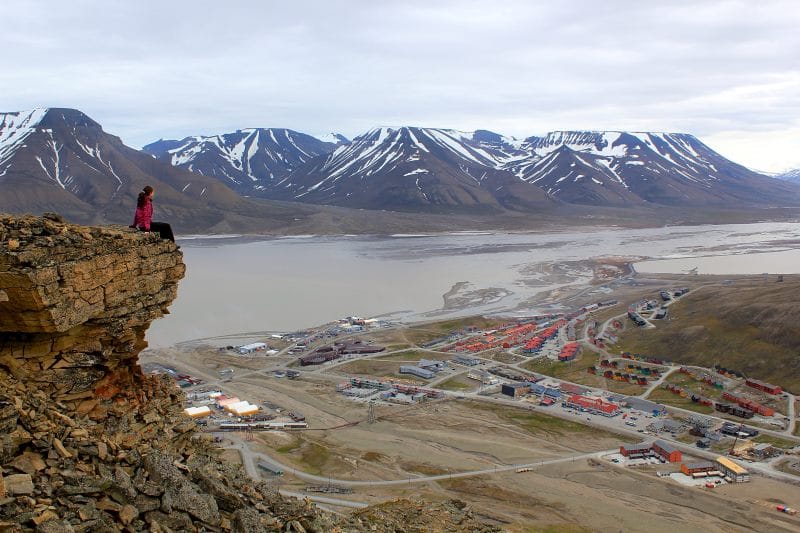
(59, 159)
(247, 160)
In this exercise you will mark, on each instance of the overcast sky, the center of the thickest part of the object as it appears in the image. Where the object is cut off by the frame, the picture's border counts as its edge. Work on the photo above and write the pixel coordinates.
(725, 71)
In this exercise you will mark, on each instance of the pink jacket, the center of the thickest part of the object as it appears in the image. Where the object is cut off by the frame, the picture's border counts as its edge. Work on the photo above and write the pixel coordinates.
(144, 215)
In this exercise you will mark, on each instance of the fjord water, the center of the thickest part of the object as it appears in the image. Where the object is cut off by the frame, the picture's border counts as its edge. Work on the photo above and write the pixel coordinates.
(284, 284)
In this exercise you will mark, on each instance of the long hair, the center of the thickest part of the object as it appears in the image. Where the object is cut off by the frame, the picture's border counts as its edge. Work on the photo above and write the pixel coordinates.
(142, 195)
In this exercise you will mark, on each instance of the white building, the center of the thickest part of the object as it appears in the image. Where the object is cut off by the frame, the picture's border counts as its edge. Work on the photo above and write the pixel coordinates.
(254, 347)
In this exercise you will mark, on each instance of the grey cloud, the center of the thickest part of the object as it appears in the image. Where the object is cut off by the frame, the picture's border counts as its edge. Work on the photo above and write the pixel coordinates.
(168, 69)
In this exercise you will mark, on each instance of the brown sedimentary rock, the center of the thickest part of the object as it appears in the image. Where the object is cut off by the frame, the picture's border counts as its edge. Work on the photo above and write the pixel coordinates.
(90, 443)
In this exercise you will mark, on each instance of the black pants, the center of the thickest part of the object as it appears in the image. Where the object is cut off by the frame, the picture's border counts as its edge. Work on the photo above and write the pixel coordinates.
(163, 229)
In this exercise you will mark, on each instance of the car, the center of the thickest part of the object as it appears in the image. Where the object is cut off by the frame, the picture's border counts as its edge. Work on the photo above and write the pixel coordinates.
(640, 431)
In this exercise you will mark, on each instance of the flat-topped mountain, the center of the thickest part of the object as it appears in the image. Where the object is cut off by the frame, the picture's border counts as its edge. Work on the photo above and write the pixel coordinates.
(624, 168)
(248, 161)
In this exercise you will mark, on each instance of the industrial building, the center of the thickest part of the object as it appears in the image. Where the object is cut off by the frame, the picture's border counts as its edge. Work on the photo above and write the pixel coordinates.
(242, 408)
(515, 389)
(223, 401)
(658, 448)
(254, 347)
(667, 451)
(197, 412)
(417, 371)
(636, 451)
(732, 470)
(702, 467)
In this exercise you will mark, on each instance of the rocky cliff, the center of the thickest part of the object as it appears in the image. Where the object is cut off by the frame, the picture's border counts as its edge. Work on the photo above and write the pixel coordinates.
(90, 443)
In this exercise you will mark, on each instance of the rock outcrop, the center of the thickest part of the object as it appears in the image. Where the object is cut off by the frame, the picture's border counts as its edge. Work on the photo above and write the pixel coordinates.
(90, 443)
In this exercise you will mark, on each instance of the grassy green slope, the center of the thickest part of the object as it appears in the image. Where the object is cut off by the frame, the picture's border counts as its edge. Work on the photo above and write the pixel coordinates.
(751, 326)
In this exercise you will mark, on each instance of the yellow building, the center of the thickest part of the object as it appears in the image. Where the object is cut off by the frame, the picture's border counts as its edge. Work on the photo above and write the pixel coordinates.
(732, 470)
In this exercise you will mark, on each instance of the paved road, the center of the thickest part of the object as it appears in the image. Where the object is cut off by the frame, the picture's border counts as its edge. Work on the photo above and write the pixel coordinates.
(324, 499)
(249, 457)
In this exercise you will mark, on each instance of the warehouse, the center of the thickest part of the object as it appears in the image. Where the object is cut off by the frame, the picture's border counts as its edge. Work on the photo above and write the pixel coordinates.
(735, 472)
(659, 448)
(197, 412)
(243, 408)
(636, 451)
(224, 401)
(704, 467)
(667, 451)
(250, 348)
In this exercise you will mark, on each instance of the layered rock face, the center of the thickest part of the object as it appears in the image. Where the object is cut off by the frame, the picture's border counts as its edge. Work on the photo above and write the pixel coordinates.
(90, 443)
(75, 303)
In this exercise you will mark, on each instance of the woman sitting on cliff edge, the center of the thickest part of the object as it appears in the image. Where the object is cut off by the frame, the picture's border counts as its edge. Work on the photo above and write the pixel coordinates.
(143, 219)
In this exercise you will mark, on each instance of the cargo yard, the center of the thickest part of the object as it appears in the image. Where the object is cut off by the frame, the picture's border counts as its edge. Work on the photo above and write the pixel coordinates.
(372, 410)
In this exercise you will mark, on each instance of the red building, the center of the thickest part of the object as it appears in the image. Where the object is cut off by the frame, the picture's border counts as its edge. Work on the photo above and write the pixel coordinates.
(635, 451)
(667, 451)
(766, 387)
(663, 449)
(698, 468)
(750, 404)
(592, 405)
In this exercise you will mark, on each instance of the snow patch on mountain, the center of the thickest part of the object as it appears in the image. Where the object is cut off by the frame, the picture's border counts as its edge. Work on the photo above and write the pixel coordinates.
(15, 127)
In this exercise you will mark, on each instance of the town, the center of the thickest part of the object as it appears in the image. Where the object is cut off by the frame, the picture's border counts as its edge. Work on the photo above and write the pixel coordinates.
(696, 427)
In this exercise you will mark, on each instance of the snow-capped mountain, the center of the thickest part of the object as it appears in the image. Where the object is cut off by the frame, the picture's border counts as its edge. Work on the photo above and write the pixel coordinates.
(413, 169)
(249, 160)
(62, 160)
(623, 168)
(791, 175)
